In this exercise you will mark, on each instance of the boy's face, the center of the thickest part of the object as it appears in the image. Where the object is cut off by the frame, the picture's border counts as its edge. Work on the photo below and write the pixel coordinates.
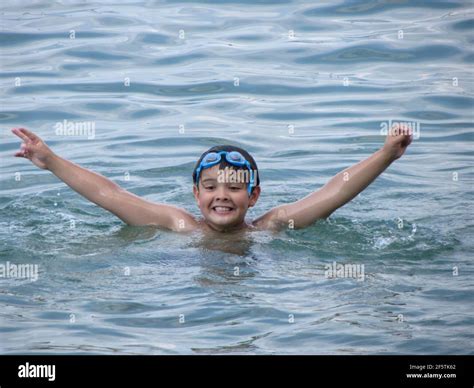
(223, 204)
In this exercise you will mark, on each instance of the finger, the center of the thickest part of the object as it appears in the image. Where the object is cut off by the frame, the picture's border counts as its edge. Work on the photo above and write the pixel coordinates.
(407, 139)
(20, 154)
(404, 141)
(21, 135)
(29, 134)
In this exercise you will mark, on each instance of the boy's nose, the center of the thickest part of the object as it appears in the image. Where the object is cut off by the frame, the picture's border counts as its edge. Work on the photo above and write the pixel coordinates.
(221, 192)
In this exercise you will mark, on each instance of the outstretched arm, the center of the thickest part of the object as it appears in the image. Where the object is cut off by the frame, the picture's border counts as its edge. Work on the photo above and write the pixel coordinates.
(342, 188)
(130, 208)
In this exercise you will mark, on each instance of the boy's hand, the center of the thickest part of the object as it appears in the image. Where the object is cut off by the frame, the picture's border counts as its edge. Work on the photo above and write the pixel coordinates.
(33, 148)
(342, 188)
(398, 139)
(102, 191)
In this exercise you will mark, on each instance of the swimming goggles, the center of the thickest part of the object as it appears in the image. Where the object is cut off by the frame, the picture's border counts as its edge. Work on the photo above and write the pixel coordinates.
(233, 157)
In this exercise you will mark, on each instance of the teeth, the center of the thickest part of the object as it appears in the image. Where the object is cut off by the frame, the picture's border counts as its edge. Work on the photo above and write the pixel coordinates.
(222, 209)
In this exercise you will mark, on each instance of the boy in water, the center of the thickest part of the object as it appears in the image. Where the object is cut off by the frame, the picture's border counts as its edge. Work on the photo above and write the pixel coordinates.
(226, 185)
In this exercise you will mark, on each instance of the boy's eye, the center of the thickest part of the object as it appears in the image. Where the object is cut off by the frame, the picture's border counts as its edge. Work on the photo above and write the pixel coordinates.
(209, 187)
(235, 188)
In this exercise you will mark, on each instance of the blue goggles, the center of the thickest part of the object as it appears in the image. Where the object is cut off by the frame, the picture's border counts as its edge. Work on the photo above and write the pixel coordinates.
(233, 157)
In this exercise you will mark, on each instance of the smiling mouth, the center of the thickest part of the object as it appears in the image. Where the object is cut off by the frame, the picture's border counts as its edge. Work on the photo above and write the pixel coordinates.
(223, 209)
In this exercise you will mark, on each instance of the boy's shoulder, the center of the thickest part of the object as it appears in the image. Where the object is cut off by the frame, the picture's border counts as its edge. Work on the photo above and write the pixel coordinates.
(267, 221)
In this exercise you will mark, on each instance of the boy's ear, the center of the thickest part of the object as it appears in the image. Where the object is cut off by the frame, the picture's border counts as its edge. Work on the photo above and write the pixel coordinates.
(196, 193)
(254, 196)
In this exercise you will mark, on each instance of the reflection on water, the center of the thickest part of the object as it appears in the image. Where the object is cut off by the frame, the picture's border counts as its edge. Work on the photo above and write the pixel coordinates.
(234, 243)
